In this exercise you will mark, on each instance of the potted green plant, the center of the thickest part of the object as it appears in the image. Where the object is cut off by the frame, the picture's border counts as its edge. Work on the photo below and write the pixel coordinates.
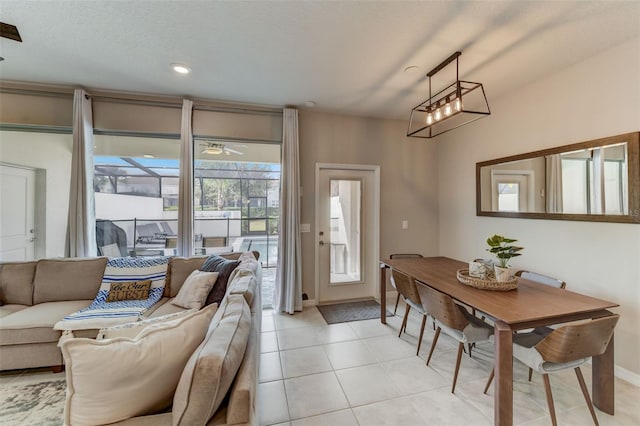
(502, 248)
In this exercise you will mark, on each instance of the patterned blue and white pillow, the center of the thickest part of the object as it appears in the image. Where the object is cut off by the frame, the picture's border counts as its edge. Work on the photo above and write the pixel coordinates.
(131, 269)
(101, 313)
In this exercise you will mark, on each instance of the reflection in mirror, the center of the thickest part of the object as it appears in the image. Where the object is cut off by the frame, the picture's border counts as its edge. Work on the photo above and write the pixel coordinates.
(596, 180)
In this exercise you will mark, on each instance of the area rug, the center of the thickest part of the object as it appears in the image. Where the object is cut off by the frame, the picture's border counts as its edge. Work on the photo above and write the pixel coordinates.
(36, 401)
(351, 311)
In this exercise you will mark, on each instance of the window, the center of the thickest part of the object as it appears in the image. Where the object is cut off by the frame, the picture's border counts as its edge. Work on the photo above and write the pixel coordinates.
(236, 198)
(136, 193)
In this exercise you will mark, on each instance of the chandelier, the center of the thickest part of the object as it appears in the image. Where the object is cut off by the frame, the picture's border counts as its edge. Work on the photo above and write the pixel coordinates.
(456, 105)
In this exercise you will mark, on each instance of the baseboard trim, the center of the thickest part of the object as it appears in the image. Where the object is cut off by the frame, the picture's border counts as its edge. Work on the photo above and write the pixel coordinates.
(627, 375)
(309, 302)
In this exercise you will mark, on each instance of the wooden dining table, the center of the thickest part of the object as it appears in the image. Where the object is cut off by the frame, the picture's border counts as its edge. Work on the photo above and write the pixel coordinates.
(530, 305)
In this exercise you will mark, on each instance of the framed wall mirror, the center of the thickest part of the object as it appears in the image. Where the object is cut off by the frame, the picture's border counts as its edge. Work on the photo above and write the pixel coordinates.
(597, 180)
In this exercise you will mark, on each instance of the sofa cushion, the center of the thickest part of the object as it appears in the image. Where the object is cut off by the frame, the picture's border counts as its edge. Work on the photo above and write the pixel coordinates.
(16, 282)
(166, 309)
(211, 369)
(179, 270)
(35, 323)
(67, 279)
(224, 268)
(245, 284)
(115, 379)
(195, 289)
(9, 309)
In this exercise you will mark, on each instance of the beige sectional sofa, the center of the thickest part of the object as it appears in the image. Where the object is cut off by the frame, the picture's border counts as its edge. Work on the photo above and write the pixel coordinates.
(36, 295)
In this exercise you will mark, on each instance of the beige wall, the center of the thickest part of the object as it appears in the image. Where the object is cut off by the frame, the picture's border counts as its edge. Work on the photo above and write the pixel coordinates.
(408, 176)
(595, 98)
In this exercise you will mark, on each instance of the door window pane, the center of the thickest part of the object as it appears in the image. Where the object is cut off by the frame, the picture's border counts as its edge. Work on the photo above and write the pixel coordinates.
(508, 197)
(345, 251)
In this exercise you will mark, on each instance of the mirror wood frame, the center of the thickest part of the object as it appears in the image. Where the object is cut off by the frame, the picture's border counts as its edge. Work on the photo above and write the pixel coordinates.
(633, 152)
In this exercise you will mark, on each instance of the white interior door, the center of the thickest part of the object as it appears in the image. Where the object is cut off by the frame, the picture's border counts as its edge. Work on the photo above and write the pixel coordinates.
(347, 211)
(17, 226)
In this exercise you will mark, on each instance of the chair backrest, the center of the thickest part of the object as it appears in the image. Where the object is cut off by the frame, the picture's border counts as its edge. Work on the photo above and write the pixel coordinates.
(171, 242)
(542, 279)
(573, 342)
(406, 286)
(214, 241)
(442, 307)
(405, 256)
(402, 256)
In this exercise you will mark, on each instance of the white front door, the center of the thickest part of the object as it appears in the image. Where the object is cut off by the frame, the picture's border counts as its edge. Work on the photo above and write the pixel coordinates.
(17, 200)
(347, 226)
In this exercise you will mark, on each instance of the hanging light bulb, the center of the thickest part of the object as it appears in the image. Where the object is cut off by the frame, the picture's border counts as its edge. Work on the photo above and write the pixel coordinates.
(429, 119)
(457, 104)
(438, 114)
(447, 108)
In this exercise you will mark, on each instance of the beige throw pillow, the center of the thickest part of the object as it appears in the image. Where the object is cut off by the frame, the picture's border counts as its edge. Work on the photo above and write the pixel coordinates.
(132, 329)
(116, 379)
(195, 289)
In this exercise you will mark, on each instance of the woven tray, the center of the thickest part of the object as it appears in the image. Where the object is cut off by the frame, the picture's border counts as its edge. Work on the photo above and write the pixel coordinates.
(489, 284)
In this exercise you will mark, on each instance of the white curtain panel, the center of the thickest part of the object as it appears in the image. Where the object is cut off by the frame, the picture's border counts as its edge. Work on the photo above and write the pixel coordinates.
(81, 222)
(287, 295)
(185, 183)
(554, 183)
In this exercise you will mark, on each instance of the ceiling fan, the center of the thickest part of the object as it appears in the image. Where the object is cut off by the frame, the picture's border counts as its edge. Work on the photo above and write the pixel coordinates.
(218, 148)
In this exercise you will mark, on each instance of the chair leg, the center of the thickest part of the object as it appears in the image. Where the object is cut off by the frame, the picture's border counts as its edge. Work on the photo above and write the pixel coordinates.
(403, 326)
(585, 392)
(470, 346)
(396, 308)
(407, 310)
(458, 359)
(486, 388)
(424, 322)
(433, 344)
(547, 389)
(530, 373)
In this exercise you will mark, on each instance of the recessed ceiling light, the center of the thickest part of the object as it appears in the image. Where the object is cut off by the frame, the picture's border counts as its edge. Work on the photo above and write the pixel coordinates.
(148, 156)
(181, 68)
(411, 69)
(310, 104)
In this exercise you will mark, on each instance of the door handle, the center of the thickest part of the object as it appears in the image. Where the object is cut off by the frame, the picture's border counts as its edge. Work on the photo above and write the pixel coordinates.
(321, 243)
(32, 239)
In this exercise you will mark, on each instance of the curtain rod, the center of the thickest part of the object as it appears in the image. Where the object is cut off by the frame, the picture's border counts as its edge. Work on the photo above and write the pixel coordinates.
(146, 102)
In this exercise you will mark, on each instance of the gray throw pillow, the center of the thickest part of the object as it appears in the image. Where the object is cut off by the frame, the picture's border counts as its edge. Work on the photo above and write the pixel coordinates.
(224, 268)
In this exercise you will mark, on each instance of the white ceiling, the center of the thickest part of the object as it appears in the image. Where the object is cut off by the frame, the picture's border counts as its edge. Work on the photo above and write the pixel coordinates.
(347, 56)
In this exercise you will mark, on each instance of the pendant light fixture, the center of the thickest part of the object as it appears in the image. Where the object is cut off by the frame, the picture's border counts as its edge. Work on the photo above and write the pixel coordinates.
(457, 104)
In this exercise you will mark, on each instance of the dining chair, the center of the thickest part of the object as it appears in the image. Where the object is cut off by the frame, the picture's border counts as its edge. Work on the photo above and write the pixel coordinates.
(406, 287)
(454, 320)
(542, 279)
(546, 280)
(569, 346)
(401, 256)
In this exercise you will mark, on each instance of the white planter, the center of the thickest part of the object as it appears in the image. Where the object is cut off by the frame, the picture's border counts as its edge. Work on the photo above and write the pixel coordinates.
(502, 274)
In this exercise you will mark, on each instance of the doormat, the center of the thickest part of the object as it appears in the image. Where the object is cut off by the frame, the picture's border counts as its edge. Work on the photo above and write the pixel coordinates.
(29, 402)
(351, 311)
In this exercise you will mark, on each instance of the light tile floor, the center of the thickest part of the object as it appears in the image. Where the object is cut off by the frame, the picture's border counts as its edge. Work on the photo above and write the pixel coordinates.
(361, 373)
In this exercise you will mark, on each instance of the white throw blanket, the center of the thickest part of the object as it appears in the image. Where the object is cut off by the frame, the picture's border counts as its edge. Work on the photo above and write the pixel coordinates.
(100, 313)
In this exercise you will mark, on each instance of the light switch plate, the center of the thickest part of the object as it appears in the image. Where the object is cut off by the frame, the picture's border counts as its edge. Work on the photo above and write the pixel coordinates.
(405, 224)
(305, 227)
